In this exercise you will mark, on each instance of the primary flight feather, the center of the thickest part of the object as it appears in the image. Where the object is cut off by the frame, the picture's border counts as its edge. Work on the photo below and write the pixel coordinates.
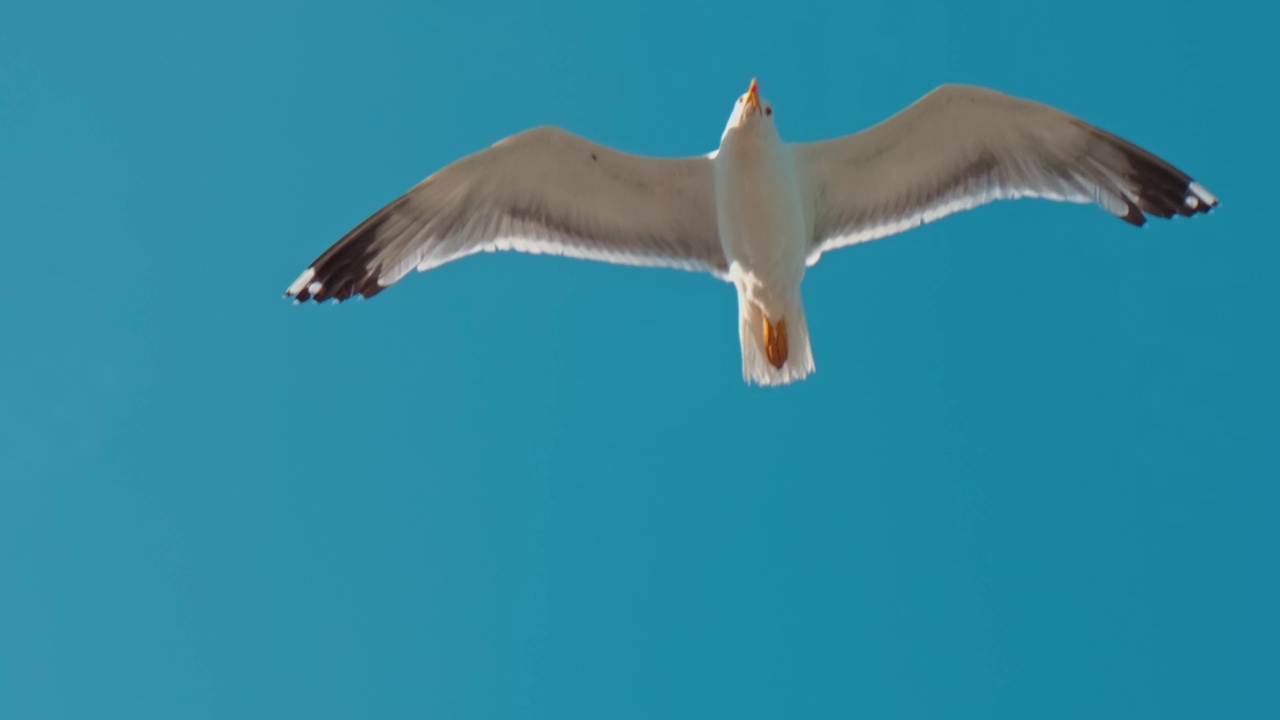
(758, 210)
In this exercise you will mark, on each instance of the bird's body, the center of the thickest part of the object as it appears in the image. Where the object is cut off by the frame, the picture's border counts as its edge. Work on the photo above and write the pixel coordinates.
(757, 211)
(764, 232)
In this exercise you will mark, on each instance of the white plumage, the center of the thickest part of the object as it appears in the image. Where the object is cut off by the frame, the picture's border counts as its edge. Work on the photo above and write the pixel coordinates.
(757, 211)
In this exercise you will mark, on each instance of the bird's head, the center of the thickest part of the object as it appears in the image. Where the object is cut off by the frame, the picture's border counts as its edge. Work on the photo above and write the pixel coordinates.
(751, 111)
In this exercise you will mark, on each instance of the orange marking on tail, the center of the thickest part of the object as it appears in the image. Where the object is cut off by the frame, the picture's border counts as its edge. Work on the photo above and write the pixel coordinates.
(775, 342)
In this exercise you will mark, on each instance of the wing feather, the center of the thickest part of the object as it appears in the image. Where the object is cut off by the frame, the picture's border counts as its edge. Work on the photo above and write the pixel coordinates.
(542, 191)
(960, 147)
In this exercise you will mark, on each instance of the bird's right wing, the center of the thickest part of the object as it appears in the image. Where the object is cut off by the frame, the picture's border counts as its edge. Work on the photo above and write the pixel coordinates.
(961, 146)
(540, 191)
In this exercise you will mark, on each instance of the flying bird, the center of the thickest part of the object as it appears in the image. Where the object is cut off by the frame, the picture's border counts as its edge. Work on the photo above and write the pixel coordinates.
(757, 211)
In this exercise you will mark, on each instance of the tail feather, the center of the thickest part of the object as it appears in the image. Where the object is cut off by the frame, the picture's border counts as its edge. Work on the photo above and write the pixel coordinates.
(756, 365)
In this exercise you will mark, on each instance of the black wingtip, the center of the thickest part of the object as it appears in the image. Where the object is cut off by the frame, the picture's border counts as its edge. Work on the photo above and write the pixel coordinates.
(348, 268)
(1134, 216)
(337, 290)
(1161, 189)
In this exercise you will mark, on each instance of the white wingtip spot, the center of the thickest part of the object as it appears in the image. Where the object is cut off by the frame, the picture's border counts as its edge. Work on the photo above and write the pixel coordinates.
(301, 282)
(1202, 194)
(314, 288)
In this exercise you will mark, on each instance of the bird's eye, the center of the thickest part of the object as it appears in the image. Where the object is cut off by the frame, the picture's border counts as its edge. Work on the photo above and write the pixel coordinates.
(768, 111)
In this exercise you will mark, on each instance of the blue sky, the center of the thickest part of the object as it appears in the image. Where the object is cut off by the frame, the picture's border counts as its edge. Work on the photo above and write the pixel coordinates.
(1034, 475)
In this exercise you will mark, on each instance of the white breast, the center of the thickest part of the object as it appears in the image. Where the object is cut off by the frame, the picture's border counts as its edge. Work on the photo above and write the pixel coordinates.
(762, 223)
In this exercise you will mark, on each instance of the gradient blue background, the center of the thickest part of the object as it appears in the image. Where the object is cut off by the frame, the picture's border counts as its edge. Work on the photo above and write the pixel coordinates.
(1034, 476)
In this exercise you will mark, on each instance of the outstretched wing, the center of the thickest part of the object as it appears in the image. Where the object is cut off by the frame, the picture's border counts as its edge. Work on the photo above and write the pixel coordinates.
(959, 147)
(541, 191)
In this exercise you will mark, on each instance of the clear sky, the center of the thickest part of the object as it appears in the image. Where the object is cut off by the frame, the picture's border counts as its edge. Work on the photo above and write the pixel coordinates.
(1035, 474)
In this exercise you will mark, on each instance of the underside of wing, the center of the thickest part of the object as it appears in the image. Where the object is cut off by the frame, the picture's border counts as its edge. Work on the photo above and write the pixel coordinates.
(541, 191)
(959, 147)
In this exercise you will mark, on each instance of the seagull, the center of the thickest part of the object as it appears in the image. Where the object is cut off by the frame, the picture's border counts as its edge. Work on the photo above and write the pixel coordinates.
(758, 210)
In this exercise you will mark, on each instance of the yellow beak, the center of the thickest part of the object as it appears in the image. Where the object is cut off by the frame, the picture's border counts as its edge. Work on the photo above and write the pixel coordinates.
(753, 95)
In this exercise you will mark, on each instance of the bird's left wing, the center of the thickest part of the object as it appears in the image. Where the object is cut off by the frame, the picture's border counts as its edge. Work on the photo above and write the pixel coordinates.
(960, 147)
(541, 191)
